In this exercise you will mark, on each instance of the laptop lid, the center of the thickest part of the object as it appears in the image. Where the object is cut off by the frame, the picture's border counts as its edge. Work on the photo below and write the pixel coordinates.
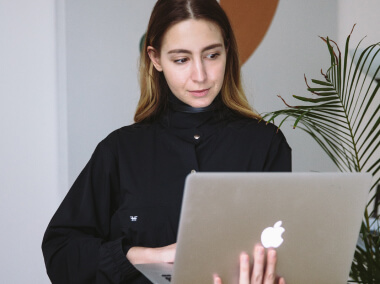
(224, 214)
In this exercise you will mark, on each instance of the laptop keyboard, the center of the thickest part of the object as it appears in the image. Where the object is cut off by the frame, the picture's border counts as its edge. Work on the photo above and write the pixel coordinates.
(167, 277)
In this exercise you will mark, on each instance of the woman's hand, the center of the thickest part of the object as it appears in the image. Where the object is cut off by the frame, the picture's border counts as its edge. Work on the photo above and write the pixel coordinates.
(166, 254)
(138, 255)
(264, 269)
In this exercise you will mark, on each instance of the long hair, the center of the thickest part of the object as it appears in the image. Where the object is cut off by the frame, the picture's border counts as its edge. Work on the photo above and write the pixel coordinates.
(154, 88)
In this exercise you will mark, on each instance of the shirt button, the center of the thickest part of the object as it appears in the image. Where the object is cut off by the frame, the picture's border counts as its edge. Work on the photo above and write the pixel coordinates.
(193, 171)
(196, 136)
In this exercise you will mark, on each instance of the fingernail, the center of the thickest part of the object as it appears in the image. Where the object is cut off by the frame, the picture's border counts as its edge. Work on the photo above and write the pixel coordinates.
(272, 253)
(259, 250)
(216, 278)
(244, 256)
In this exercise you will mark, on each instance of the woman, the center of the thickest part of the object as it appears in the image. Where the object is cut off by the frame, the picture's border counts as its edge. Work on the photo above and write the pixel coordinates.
(123, 209)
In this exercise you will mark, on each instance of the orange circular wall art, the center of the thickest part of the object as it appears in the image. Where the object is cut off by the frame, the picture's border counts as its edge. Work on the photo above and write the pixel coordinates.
(250, 20)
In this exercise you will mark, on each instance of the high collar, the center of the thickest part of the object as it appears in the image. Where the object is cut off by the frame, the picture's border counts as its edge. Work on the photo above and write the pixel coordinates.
(177, 105)
(182, 116)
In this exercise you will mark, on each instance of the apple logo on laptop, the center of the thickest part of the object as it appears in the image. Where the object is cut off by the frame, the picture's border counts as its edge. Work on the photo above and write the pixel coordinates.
(271, 236)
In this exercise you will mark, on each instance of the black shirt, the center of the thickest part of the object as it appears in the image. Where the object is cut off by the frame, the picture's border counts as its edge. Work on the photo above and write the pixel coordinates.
(130, 192)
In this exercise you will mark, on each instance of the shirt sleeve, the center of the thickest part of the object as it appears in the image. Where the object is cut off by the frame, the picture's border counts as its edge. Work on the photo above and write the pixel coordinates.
(279, 157)
(75, 246)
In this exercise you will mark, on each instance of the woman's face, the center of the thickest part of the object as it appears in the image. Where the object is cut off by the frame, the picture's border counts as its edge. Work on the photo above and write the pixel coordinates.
(193, 60)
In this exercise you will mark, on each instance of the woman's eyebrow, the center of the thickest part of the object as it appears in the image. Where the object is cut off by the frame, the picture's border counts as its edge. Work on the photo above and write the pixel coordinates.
(203, 50)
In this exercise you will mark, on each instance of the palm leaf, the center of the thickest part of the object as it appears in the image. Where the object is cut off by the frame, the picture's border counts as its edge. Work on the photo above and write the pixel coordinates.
(339, 114)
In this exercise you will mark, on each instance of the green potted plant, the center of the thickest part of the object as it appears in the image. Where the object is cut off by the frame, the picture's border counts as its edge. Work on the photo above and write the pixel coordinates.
(342, 114)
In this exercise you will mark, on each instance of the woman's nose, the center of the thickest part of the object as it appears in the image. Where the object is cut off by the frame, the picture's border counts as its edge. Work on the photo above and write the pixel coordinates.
(199, 73)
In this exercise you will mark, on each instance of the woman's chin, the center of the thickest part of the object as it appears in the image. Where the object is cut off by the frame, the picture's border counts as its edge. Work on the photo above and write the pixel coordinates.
(200, 105)
(200, 102)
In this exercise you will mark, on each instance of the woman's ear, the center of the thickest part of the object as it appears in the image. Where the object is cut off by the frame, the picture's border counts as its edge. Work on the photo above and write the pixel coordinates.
(154, 57)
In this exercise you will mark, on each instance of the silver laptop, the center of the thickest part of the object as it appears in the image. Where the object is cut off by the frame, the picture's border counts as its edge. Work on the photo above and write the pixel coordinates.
(315, 219)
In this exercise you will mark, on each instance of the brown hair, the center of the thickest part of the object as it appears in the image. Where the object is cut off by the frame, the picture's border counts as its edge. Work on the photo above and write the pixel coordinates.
(154, 89)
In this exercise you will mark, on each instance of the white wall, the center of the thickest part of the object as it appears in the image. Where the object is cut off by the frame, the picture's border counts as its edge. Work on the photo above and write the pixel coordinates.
(28, 144)
(102, 62)
(365, 15)
(290, 49)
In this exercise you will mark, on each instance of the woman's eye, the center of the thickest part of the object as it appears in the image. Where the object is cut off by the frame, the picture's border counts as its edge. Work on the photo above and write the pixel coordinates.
(213, 55)
(180, 61)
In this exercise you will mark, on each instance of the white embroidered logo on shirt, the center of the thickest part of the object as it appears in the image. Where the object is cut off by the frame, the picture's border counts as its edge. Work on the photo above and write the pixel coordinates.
(133, 218)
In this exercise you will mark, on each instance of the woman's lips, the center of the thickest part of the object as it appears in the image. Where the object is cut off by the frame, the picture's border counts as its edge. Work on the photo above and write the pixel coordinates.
(199, 93)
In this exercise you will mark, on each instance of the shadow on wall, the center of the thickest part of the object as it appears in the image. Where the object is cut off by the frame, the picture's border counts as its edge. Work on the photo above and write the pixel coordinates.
(250, 20)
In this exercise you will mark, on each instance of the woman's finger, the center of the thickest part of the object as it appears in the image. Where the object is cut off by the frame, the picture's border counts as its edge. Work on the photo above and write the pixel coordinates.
(258, 265)
(244, 269)
(270, 270)
(217, 280)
